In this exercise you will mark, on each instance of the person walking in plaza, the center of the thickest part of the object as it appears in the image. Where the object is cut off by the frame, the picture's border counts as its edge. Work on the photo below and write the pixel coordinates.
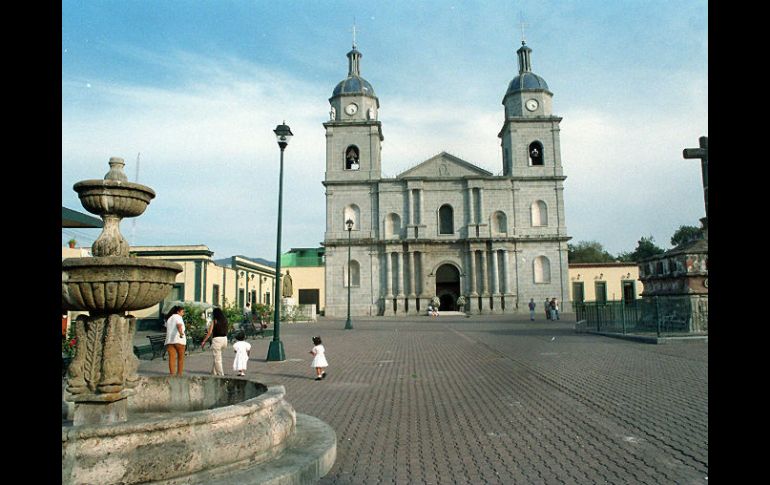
(319, 359)
(242, 349)
(547, 306)
(247, 313)
(532, 309)
(218, 334)
(552, 307)
(176, 340)
(556, 307)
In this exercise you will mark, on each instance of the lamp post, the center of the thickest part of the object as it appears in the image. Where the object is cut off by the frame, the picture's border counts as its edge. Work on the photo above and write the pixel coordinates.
(275, 351)
(349, 224)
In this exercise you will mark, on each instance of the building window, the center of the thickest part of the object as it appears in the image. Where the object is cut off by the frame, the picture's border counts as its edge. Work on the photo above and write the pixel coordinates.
(535, 154)
(215, 295)
(355, 274)
(392, 226)
(446, 220)
(351, 212)
(578, 294)
(499, 223)
(352, 161)
(542, 269)
(539, 213)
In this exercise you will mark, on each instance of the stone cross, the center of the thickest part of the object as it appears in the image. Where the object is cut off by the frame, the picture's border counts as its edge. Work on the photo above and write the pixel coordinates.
(703, 153)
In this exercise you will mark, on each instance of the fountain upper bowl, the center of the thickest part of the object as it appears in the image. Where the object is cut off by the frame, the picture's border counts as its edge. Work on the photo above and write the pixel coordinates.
(115, 284)
(114, 197)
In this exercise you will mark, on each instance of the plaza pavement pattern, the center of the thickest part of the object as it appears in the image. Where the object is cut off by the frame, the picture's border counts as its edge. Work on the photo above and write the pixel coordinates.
(492, 399)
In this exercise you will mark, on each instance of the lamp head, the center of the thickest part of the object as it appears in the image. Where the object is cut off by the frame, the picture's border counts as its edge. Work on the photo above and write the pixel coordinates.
(349, 223)
(283, 134)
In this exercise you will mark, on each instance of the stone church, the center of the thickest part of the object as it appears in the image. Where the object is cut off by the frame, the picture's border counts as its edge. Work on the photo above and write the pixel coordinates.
(445, 227)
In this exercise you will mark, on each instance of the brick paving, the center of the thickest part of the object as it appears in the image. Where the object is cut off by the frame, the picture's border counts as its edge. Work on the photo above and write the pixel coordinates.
(493, 399)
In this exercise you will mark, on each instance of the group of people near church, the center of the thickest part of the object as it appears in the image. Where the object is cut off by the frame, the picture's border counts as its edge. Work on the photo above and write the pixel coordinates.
(176, 344)
(551, 309)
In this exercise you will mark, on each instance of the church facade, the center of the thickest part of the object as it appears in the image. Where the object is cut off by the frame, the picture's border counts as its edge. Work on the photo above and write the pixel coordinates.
(444, 228)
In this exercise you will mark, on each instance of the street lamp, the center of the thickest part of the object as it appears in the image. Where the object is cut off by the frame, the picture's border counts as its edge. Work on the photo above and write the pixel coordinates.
(349, 223)
(275, 351)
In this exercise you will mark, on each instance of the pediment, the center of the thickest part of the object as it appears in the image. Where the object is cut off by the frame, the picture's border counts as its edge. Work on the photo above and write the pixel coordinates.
(444, 165)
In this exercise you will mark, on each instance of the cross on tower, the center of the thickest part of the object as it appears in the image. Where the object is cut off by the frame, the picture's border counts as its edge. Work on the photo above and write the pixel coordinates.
(354, 32)
(702, 152)
(522, 25)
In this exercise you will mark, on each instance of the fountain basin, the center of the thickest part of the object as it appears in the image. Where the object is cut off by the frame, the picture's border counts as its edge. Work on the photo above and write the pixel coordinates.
(112, 284)
(114, 197)
(188, 430)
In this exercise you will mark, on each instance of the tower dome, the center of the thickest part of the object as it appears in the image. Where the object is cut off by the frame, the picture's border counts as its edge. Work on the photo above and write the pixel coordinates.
(354, 83)
(526, 80)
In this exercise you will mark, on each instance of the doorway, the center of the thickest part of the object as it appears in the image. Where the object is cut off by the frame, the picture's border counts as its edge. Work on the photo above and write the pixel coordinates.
(448, 287)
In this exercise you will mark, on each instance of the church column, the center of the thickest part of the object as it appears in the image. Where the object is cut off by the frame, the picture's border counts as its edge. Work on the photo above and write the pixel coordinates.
(388, 299)
(472, 272)
(412, 289)
(495, 274)
(422, 206)
(401, 297)
(485, 294)
(409, 219)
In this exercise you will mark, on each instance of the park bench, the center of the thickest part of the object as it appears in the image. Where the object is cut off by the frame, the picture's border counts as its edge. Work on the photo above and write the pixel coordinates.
(158, 344)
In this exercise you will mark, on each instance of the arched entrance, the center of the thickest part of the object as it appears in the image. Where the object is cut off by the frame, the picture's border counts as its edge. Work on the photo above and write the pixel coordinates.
(448, 286)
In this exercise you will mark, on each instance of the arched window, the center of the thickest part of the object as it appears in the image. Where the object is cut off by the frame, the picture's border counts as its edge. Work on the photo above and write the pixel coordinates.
(446, 220)
(535, 153)
(352, 158)
(499, 223)
(392, 225)
(542, 269)
(355, 274)
(539, 213)
(351, 212)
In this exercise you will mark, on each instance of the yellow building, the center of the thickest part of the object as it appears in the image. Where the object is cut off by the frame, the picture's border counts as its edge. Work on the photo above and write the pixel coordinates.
(306, 267)
(601, 282)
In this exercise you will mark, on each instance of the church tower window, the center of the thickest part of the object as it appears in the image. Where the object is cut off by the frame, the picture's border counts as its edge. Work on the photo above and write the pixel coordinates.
(352, 161)
(542, 269)
(535, 153)
(446, 219)
(539, 214)
(351, 212)
(355, 274)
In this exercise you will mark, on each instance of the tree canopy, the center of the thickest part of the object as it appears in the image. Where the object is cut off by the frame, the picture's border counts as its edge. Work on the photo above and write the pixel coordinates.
(645, 248)
(685, 234)
(588, 252)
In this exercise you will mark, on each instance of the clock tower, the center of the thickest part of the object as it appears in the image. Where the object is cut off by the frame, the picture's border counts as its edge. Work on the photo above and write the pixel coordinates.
(353, 133)
(530, 133)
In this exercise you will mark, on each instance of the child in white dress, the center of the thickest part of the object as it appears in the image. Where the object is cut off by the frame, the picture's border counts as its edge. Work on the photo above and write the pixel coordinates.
(242, 349)
(319, 360)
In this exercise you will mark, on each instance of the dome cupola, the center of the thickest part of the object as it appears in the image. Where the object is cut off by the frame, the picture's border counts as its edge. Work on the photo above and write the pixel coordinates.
(526, 80)
(354, 83)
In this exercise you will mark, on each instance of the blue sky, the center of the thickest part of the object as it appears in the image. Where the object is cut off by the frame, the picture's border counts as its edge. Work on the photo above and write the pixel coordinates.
(196, 88)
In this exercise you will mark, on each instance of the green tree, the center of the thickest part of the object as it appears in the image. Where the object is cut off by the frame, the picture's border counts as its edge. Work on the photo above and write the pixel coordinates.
(588, 252)
(194, 322)
(645, 248)
(685, 234)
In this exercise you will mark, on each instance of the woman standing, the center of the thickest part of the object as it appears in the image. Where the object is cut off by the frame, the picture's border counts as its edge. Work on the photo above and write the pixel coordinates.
(176, 340)
(218, 334)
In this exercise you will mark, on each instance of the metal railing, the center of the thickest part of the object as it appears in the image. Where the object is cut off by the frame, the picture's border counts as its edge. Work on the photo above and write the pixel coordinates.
(661, 316)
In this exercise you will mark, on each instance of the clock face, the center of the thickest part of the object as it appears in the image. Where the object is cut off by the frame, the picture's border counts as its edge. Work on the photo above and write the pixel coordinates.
(351, 109)
(531, 104)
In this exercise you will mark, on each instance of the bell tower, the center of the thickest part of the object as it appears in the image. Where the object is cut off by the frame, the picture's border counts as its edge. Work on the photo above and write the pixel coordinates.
(353, 133)
(530, 132)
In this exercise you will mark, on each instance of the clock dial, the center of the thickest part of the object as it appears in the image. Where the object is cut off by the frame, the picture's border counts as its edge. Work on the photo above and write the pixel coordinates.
(532, 104)
(351, 109)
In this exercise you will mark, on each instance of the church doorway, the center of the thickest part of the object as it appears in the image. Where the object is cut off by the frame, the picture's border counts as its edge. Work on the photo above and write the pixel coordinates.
(448, 287)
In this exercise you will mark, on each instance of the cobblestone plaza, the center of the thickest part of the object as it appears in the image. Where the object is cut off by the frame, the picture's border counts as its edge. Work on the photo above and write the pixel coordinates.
(495, 399)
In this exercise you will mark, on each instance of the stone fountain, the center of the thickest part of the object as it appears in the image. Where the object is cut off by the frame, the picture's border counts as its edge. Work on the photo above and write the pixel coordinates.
(120, 427)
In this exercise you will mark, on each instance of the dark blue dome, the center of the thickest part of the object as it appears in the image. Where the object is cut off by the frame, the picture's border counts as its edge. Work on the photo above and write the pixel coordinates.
(526, 81)
(354, 85)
